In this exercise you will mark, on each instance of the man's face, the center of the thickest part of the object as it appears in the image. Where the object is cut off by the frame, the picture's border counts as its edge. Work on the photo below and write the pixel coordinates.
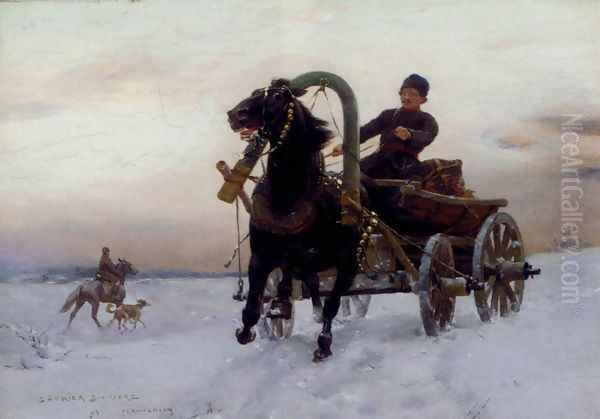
(411, 98)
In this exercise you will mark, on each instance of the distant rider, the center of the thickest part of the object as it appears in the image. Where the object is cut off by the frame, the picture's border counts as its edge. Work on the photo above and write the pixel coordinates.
(107, 270)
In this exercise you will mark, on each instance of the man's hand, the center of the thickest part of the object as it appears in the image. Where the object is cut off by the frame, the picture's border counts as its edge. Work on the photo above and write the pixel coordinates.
(337, 151)
(402, 133)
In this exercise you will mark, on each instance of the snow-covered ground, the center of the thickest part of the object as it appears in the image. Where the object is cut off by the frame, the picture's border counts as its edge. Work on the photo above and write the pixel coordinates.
(542, 363)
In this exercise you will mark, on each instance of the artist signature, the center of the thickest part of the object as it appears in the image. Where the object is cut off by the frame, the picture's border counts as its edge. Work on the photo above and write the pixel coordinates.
(87, 398)
(142, 411)
(94, 397)
(137, 411)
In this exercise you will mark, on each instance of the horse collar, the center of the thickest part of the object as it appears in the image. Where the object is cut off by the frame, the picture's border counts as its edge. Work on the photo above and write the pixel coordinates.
(286, 126)
(288, 123)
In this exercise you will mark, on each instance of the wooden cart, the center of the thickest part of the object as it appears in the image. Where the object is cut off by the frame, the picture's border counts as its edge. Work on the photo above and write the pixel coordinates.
(446, 247)
(477, 250)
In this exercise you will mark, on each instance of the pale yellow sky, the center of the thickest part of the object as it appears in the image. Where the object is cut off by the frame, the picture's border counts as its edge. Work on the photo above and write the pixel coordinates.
(112, 114)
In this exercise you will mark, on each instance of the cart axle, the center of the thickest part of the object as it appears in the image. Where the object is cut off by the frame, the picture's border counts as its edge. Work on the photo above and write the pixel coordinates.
(512, 271)
(505, 271)
(458, 286)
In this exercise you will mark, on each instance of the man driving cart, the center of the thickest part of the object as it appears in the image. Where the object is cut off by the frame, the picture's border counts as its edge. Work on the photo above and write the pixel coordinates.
(404, 133)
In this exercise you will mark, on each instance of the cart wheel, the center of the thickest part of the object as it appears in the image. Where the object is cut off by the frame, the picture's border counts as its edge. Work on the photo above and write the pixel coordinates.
(283, 328)
(498, 240)
(274, 328)
(355, 304)
(437, 308)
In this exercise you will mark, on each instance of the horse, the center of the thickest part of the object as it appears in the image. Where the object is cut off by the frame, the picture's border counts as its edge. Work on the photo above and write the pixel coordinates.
(295, 222)
(94, 292)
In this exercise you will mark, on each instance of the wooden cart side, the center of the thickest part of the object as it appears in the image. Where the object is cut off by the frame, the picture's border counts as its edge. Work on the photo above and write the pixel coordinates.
(457, 200)
(452, 215)
(411, 188)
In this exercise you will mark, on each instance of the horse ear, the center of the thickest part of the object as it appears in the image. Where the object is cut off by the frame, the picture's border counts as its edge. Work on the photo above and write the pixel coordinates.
(299, 92)
(287, 83)
(280, 83)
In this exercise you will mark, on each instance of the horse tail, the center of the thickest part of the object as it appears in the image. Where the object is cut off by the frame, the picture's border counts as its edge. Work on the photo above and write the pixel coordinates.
(71, 300)
(111, 308)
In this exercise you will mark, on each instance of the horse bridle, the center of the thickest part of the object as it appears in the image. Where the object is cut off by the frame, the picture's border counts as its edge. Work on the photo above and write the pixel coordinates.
(290, 115)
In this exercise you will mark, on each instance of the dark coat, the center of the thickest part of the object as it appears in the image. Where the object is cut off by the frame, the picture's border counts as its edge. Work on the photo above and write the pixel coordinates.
(422, 126)
(396, 158)
(108, 269)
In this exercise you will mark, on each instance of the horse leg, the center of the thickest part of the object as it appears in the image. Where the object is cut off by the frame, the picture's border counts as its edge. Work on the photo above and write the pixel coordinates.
(343, 282)
(78, 306)
(95, 307)
(258, 271)
(312, 282)
(120, 294)
(281, 307)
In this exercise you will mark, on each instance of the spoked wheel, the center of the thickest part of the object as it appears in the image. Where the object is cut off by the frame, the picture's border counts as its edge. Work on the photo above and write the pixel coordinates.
(437, 308)
(499, 240)
(380, 258)
(356, 305)
(274, 327)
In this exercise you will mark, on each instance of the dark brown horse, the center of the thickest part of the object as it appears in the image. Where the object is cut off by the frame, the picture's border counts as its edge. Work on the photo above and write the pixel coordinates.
(295, 223)
(96, 292)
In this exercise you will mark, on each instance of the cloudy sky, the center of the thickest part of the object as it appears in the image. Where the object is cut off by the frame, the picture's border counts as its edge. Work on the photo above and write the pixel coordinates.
(112, 114)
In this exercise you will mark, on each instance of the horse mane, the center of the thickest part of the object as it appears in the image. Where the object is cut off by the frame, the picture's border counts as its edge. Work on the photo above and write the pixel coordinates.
(314, 132)
(295, 168)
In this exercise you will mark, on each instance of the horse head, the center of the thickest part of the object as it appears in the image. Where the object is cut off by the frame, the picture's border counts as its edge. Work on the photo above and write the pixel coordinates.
(281, 118)
(126, 267)
(296, 138)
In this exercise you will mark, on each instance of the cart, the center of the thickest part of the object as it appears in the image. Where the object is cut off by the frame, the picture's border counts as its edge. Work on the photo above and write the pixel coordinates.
(462, 246)
(470, 247)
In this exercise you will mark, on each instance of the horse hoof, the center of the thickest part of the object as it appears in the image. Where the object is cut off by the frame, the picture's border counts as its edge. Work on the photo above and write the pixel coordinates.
(244, 338)
(324, 350)
(325, 341)
(320, 355)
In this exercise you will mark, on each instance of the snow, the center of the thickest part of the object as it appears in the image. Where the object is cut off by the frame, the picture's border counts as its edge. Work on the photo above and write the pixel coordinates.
(112, 113)
(541, 363)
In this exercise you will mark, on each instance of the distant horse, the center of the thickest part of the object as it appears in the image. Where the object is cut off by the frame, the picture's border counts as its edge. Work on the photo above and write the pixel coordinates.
(95, 292)
(295, 223)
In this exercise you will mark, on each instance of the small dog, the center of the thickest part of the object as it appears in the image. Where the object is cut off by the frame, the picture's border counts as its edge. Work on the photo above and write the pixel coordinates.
(127, 312)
